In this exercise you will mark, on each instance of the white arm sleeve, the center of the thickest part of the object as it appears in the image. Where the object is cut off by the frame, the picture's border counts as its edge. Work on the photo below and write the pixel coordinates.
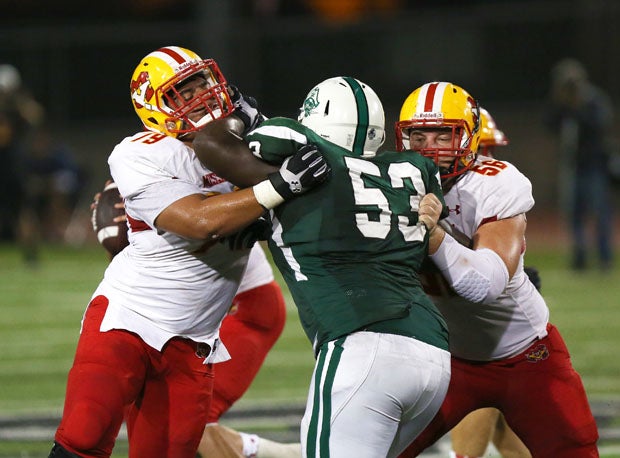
(477, 275)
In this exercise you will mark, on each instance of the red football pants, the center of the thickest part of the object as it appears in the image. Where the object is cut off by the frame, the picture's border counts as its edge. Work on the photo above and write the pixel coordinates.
(252, 327)
(539, 393)
(169, 393)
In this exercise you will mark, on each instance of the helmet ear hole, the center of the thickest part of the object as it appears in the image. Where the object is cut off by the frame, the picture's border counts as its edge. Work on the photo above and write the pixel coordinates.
(326, 113)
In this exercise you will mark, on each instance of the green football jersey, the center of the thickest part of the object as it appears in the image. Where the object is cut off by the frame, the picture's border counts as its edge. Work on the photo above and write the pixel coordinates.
(350, 249)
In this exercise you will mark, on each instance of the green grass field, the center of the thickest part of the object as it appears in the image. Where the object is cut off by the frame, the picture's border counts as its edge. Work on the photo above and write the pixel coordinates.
(41, 308)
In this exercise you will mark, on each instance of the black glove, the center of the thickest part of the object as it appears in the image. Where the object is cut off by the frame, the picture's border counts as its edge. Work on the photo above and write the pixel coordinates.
(249, 235)
(534, 276)
(300, 172)
(246, 109)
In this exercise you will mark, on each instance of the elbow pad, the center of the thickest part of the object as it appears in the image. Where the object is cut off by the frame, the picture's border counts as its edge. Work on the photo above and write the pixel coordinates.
(476, 275)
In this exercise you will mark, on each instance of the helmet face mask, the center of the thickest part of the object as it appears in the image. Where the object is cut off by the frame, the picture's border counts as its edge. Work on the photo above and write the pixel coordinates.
(442, 107)
(447, 151)
(347, 112)
(175, 92)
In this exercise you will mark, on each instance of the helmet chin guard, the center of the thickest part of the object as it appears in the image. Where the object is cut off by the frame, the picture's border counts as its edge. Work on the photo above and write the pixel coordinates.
(347, 112)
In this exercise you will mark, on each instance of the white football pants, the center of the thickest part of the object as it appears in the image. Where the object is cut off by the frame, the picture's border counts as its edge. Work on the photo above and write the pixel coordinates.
(371, 394)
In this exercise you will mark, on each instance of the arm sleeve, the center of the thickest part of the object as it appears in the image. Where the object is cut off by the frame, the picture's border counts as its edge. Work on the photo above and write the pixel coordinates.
(477, 275)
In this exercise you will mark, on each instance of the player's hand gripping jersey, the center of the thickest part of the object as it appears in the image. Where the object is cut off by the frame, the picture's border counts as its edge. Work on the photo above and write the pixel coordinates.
(491, 191)
(340, 246)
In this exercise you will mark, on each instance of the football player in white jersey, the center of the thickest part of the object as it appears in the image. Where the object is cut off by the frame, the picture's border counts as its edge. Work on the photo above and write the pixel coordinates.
(474, 432)
(505, 353)
(249, 330)
(150, 334)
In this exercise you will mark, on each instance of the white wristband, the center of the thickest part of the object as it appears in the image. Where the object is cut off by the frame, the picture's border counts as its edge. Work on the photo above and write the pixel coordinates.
(266, 195)
(477, 275)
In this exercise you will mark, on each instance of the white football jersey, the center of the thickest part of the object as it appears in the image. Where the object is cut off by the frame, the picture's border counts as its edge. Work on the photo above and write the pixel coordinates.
(163, 285)
(492, 190)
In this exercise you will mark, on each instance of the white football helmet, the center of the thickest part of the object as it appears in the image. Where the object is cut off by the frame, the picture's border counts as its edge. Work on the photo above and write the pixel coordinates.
(346, 112)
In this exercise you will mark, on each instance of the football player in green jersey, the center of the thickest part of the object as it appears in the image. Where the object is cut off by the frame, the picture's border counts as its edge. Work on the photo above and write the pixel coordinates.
(350, 252)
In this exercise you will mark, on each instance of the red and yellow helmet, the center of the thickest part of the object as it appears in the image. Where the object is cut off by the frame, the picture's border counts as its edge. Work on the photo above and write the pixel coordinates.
(490, 135)
(158, 103)
(442, 105)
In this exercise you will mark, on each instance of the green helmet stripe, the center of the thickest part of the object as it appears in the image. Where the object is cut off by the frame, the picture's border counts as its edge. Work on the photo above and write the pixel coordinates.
(362, 115)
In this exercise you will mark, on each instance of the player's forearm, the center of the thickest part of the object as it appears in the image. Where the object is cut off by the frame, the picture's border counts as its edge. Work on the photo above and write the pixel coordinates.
(477, 275)
(435, 238)
(208, 218)
(200, 218)
(220, 148)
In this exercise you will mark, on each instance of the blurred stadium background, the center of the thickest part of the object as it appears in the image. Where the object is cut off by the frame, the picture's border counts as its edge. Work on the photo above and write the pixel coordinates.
(77, 59)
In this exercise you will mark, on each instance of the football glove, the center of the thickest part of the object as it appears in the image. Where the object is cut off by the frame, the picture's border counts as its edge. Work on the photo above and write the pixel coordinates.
(300, 172)
(249, 235)
(246, 109)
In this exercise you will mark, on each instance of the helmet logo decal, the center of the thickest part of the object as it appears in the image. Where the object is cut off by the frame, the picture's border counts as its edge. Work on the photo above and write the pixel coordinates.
(142, 91)
(311, 102)
(432, 115)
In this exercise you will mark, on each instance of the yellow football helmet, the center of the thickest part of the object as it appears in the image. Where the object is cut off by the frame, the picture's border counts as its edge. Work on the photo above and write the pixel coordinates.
(158, 102)
(490, 135)
(442, 105)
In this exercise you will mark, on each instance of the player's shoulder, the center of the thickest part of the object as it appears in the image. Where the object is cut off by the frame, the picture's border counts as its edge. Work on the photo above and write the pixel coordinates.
(146, 157)
(497, 186)
(497, 173)
(278, 137)
(281, 128)
(150, 146)
(407, 156)
(281, 121)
